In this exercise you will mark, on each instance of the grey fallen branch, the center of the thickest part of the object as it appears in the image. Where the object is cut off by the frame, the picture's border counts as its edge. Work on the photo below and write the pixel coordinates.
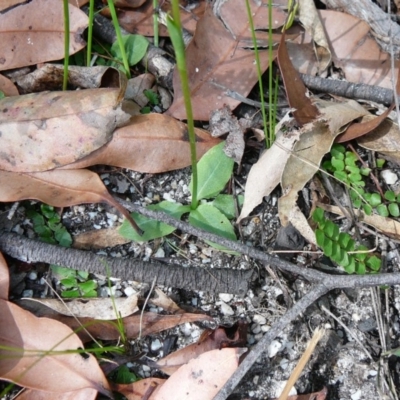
(210, 280)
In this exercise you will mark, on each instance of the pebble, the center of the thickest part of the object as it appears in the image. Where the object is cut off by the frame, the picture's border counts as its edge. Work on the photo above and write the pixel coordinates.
(155, 345)
(255, 328)
(226, 309)
(32, 276)
(129, 291)
(259, 319)
(226, 297)
(160, 253)
(356, 395)
(389, 177)
(273, 348)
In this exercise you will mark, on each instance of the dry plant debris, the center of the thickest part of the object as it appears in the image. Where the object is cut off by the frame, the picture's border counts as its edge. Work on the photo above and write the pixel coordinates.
(49, 140)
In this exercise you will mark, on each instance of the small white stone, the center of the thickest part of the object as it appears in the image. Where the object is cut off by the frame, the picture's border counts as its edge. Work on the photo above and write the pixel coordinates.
(259, 319)
(32, 275)
(194, 301)
(256, 328)
(129, 291)
(160, 253)
(356, 395)
(186, 329)
(145, 368)
(112, 217)
(372, 372)
(225, 309)
(226, 297)
(279, 386)
(155, 345)
(273, 348)
(389, 177)
(251, 393)
(192, 248)
(284, 364)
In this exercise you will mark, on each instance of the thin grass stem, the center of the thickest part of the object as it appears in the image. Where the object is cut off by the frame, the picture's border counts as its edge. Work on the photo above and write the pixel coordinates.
(90, 34)
(268, 140)
(175, 31)
(155, 23)
(119, 37)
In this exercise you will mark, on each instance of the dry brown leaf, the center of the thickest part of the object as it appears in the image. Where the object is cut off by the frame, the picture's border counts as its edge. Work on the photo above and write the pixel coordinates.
(160, 299)
(134, 325)
(25, 28)
(216, 66)
(136, 86)
(37, 133)
(140, 20)
(310, 19)
(59, 188)
(315, 141)
(353, 50)
(129, 3)
(387, 226)
(150, 143)
(50, 77)
(266, 173)
(8, 87)
(83, 394)
(139, 390)
(4, 278)
(209, 371)
(101, 308)
(29, 365)
(98, 239)
(216, 340)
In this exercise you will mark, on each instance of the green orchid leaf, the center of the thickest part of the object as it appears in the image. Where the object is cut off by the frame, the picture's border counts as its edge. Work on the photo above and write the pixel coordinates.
(374, 263)
(71, 294)
(318, 215)
(135, 47)
(69, 282)
(360, 268)
(341, 175)
(331, 230)
(337, 164)
(338, 151)
(320, 236)
(226, 204)
(212, 220)
(351, 267)
(63, 237)
(375, 199)
(382, 210)
(153, 229)
(380, 162)
(214, 171)
(328, 247)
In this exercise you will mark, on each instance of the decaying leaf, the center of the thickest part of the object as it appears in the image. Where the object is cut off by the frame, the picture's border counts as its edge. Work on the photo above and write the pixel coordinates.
(28, 354)
(160, 299)
(145, 388)
(41, 131)
(315, 141)
(214, 66)
(8, 87)
(209, 371)
(82, 394)
(59, 188)
(353, 48)
(150, 143)
(4, 278)
(311, 21)
(25, 28)
(101, 308)
(99, 239)
(216, 340)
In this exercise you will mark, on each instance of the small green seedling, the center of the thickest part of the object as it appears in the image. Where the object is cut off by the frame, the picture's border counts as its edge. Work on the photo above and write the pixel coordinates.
(342, 249)
(344, 166)
(75, 283)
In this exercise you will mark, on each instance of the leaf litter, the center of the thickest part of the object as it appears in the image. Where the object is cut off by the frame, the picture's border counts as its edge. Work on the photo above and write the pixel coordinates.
(237, 43)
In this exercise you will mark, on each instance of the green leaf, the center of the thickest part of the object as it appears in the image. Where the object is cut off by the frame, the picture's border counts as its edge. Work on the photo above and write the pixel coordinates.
(337, 164)
(374, 199)
(152, 97)
(91, 293)
(47, 211)
(123, 375)
(380, 162)
(344, 260)
(71, 294)
(331, 230)
(43, 231)
(350, 159)
(69, 282)
(320, 236)
(153, 229)
(341, 175)
(63, 237)
(135, 47)
(328, 247)
(351, 267)
(327, 165)
(338, 151)
(365, 171)
(318, 215)
(343, 239)
(214, 171)
(226, 204)
(353, 170)
(390, 195)
(210, 219)
(87, 286)
(360, 268)
(337, 253)
(374, 263)
(82, 275)
(394, 209)
(62, 272)
(355, 177)
(382, 210)
(367, 209)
